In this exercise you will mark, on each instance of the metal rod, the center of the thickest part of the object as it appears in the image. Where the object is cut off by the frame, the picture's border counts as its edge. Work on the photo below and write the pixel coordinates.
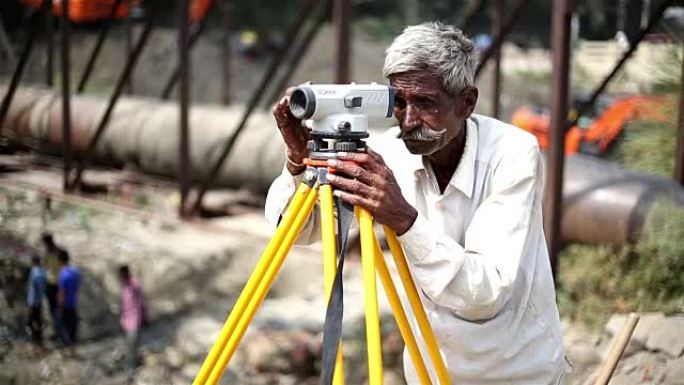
(617, 349)
(469, 19)
(586, 107)
(342, 15)
(49, 43)
(183, 101)
(679, 154)
(194, 35)
(295, 58)
(254, 100)
(560, 44)
(496, 81)
(7, 46)
(66, 94)
(98, 47)
(228, 8)
(128, 69)
(21, 66)
(128, 31)
(498, 40)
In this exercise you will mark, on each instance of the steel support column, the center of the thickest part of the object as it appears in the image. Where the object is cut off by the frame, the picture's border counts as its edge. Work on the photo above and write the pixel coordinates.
(295, 57)
(497, 19)
(254, 100)
(194, 33)
(679, 154)
(227, 49)
(560, 44)
(469, 19)
(125, 75)
(49, 43)
(342, 15)
(498, 40)
(183, 101)
(98, 47)
(21, 66)
(66, 95)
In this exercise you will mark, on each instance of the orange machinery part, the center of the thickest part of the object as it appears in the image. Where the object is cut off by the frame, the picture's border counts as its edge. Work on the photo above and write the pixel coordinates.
(538, 125)
(603, 129)
(83, 11)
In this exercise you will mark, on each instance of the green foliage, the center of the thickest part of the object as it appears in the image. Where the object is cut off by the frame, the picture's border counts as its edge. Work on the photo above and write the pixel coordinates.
(648, 145)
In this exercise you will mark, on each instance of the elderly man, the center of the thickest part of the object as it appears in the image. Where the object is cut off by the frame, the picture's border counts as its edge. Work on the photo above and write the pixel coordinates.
(463, 193)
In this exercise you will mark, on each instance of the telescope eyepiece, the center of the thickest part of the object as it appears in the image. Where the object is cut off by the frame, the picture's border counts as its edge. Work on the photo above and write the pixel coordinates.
(302, 103)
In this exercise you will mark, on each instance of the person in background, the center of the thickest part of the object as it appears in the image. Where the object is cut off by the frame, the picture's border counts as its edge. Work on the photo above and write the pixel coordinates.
(37, 283)
(133, 315)
(52, 252)
(67, 300)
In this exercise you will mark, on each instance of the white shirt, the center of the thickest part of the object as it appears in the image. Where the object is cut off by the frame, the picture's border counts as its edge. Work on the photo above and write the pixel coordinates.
(478, 253)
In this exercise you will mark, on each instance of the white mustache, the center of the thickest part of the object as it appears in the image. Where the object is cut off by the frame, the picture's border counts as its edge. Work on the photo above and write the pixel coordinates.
(421, 133)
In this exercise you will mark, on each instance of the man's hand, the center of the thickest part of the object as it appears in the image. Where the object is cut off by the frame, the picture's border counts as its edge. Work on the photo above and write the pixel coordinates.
(373, 187)
(295, 135)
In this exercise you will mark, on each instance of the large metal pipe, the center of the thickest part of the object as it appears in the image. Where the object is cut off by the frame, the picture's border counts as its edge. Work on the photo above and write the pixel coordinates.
(602, 203)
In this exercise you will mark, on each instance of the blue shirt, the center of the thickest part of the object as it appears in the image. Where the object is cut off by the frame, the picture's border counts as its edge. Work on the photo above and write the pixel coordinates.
(69, 283)
(36, 286)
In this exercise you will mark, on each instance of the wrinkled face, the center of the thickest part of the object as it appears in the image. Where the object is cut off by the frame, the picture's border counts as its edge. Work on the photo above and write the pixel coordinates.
(428, 116)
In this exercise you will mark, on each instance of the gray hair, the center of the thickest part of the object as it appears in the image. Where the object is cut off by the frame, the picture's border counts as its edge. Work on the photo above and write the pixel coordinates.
(436, 47)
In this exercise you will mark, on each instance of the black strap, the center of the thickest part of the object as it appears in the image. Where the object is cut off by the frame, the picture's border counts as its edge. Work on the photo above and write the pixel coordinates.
(332, 329)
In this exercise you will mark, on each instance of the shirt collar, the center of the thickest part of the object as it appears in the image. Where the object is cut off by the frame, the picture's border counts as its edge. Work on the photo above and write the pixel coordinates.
(464, 176)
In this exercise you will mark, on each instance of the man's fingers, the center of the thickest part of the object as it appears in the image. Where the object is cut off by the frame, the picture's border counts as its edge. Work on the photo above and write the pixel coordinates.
(355, 200)
(353, 186)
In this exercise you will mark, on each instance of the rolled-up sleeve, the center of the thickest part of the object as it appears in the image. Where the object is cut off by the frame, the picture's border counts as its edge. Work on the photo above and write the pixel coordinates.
(278, 198)
(474, 280)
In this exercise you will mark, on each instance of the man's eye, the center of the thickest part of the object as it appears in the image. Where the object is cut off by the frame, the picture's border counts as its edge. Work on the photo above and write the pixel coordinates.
(399, 102)
(425, 103)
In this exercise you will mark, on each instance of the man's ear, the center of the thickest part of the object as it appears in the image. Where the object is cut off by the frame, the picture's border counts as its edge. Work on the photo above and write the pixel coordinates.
(467, 100)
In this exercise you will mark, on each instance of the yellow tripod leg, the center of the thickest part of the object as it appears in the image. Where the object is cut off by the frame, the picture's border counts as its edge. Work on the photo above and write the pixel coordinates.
(400, 317)
(262, 289)
(329, 260)
(417, 306)
(370, 297)
(256, 277)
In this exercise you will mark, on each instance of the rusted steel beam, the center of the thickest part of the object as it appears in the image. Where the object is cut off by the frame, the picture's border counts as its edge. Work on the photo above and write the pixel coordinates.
(227, 49)
(586, 107)
(679, 154)
(183, 102)
(98, 47)
(66, 94)
(128, 69)
(498, 40)
(21, 66)
(496, 81)
(49, 43)
(469, 19)
(295, 58)
(560, 45)
(254, 100)
(194, 33)
(128, 31)
(342, 16)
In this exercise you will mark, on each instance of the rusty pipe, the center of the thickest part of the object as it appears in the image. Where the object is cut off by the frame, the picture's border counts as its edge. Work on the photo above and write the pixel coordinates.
(602, 203)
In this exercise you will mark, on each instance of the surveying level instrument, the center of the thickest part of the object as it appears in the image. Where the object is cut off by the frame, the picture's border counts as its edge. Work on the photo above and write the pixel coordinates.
(338, 118)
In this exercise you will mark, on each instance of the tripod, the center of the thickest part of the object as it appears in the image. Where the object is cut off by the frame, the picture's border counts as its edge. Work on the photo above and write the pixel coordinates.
(315, 186)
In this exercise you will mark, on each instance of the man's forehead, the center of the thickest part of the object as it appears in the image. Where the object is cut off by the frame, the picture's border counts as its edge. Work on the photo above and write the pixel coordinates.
(416, 82)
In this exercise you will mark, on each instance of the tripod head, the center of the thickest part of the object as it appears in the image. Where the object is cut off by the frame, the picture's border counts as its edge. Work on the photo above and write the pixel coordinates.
(337, 114)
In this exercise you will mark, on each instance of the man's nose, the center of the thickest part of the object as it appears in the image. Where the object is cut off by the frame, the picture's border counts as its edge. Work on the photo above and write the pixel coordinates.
(411, 118)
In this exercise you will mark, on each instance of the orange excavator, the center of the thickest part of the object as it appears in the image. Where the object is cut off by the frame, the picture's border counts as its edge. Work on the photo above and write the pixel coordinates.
(87, 11)
(592, 135)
